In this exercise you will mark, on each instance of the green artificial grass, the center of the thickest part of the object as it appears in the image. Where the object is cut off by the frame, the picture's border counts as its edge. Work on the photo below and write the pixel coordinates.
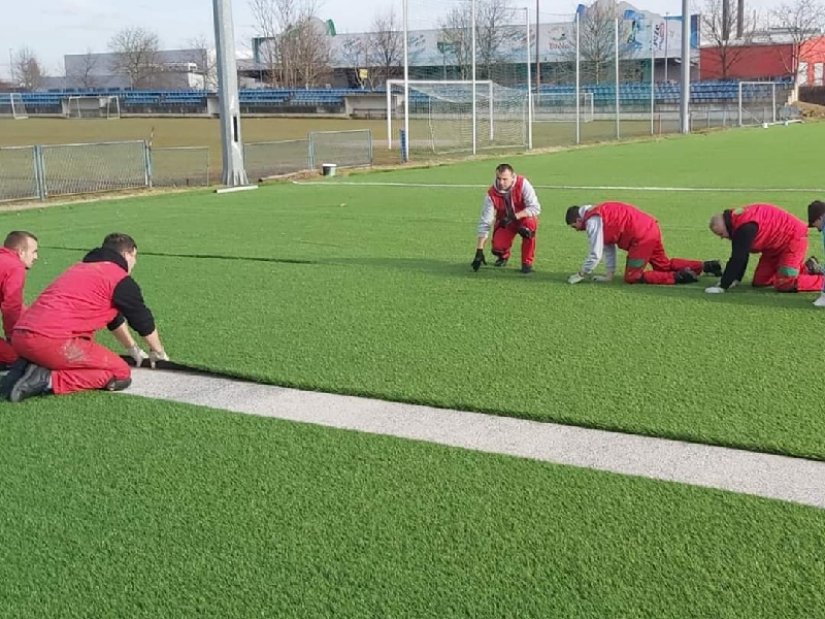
(368, 290)
(114, 506)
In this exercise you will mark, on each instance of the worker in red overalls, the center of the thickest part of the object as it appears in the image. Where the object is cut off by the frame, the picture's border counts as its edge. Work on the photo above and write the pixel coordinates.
(18, 254)
(512, 208)
(55, 337)
(780, 237)
(617, 224)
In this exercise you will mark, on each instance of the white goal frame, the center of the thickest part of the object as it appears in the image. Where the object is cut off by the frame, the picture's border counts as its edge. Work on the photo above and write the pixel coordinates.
(741, 99)
(16, 106)
(586, 101)
(413, 83)
(103, 107)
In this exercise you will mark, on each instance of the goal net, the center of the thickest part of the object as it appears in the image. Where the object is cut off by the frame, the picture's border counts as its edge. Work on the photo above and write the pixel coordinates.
(561, 107)
(91, 107)
(441, 115)
(12, 106)
(759, 103)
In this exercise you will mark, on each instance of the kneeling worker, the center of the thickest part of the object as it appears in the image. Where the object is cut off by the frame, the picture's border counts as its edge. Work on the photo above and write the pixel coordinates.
(55, 337)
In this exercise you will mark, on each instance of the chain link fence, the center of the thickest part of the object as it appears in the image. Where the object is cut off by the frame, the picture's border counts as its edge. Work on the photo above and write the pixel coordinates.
(39, 172)
(18, 173)
(180, 166)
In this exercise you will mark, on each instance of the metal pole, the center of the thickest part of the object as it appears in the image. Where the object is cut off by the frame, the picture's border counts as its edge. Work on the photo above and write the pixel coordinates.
(405, 155)
(389, 115)
(578, 82)
(473, 69)
(666, 50)
(538, 48)
(685, 97)
(616, 50)
(234, 174)
(652, 84)
(529, 85)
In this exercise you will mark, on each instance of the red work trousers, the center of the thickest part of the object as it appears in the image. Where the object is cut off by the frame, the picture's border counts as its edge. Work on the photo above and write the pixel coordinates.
(503, 240)
(7, 354)
(649, 249)
(77, 364)
(785, 270)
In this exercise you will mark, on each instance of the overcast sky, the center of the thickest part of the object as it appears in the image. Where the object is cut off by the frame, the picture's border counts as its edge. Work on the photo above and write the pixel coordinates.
(52, 28)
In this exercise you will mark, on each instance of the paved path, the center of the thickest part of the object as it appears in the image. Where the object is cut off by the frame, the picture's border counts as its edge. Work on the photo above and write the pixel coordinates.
(778, 477)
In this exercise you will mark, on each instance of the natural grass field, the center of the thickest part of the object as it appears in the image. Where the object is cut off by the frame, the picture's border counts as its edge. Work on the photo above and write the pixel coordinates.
(170, 131)
(118, 506)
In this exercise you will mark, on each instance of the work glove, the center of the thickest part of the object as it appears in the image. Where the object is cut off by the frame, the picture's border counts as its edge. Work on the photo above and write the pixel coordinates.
(715, 290)
(506, 220)
(478, 260)
(137, 353)
(155, 356)
(575, 278)
(525, 232)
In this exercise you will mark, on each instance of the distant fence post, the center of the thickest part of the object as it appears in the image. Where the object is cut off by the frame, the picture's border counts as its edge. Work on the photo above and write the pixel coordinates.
(40, 172)
(403, 141)
(147, 162)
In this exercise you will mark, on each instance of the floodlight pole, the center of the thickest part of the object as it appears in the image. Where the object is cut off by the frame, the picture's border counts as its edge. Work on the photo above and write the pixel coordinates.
(405, 146)
(234, 174)
(473, 70)
(685, 95)
(529, 85)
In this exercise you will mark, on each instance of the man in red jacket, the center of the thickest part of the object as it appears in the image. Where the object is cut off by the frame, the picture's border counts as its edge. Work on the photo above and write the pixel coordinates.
(617, 224)
(54, 338)
(18, 254)
(510, 208)
(781, 238)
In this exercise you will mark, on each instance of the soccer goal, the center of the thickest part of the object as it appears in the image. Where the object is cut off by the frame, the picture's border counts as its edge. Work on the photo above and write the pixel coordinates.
(91, 107)
(12, 106)
(759, 103)
(552, 107)
(441, 115)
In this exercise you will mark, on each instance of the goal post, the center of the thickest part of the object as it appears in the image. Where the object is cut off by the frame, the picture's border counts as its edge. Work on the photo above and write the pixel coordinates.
(429, 85)
(753, 101)
(12, 106)
(86, 106)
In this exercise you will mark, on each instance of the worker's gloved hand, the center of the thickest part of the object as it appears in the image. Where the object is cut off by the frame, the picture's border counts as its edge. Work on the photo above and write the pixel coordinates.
(137, 353)
(715, 290)
(155, 356)
(506, 220)
(478, 260)
(575, 278)
(526, 233)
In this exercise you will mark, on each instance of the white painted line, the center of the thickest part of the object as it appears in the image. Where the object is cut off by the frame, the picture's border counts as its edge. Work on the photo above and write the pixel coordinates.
(777, 477)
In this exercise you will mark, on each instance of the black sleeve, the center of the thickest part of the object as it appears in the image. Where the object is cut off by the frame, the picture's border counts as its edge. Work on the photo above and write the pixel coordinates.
(119, 320)
(129, 301)
(741, 243)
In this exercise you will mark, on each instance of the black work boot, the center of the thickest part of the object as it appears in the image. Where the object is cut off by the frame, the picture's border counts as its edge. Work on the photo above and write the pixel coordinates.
(36, 380)
(712, 267)
(526, 268)
(813, 266)
(686, 276)
(118, 384)
(12, 376)
(501, 262)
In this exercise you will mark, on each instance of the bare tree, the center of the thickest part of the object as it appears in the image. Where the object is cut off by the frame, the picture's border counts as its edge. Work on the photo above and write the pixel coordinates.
(387, 46)
(206, 61)
(456, 36)
(492, 29)
(356, 52)
(266, 49)
(295, 45)
(88, 64)
(800, 20)
(136, 55)
(27, 70)
(718, 21)
(597, 42)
